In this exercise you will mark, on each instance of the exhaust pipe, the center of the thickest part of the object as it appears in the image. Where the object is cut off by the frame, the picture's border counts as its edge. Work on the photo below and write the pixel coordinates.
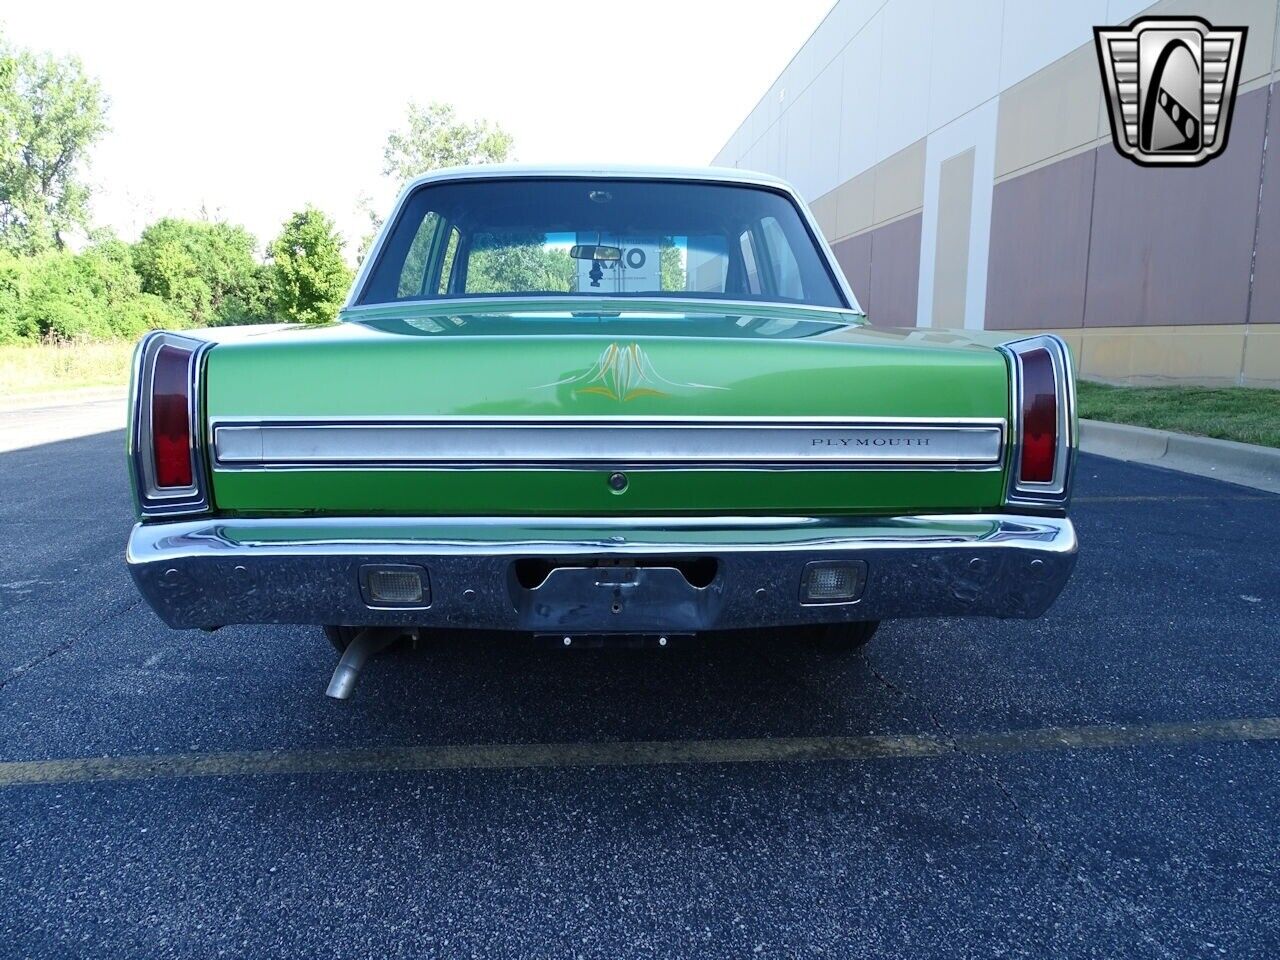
(367, 642)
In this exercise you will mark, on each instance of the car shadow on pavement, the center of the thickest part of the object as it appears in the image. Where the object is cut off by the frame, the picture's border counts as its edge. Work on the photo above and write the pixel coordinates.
(759, 683)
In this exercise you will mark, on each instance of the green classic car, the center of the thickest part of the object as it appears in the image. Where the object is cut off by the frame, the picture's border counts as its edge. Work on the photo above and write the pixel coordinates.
(598, 403)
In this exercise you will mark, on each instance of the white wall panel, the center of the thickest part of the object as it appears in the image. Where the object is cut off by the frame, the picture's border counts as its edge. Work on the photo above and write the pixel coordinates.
(772, 143)
(757, 158)
(826, 41)
(826, 126)
(964, 65)
(770, 104)
(853, 15)
(860, 100)
(1119, 11)
(798, 144)
(732, 150)
(802, 68)
(755, 128)
(1036, 33)
(932, 61)
(903, 109)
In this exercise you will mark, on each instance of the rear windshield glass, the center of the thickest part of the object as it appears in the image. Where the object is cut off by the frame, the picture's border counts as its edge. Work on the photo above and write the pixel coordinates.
(608, 238)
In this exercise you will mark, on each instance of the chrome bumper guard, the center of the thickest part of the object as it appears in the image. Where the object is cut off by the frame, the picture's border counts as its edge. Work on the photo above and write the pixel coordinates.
(599, 575)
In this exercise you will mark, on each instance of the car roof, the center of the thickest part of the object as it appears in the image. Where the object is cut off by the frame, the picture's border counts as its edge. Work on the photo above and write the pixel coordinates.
(613, 171)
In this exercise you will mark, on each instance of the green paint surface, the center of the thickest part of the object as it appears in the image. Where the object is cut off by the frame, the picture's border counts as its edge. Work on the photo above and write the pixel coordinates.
(652, 359)
(586, 492)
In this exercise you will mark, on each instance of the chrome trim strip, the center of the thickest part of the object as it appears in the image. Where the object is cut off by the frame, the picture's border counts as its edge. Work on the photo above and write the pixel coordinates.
(726, 175)
(572, 536)
(1057, 492)
(152, 500)
(606, 420)
(597, 443)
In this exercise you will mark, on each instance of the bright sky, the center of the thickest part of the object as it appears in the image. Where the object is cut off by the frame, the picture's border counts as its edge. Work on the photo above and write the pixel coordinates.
(252, 110)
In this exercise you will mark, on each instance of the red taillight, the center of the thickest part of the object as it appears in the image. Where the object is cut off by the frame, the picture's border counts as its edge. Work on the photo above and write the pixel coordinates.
(1039, 417)
(170, 417)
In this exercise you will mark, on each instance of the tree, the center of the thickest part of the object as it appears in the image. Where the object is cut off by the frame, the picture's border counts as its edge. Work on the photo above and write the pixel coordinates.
(671, 266)
(209, 271)
(514, 264)
(50, 114)
(434, 138)
(91, 295)
(311, 278)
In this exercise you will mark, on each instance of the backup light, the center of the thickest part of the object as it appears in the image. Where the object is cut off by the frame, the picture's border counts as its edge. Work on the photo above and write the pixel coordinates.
(827, 582)
(395, 585)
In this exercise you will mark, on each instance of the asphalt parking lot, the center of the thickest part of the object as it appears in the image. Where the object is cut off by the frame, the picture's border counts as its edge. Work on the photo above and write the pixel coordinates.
(1104, 782)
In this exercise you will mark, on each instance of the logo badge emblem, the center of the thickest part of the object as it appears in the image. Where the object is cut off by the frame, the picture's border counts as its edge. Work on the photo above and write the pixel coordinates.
(1171, 83)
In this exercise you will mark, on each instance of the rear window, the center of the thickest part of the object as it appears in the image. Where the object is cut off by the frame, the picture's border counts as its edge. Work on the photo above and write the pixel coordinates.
(608, 238)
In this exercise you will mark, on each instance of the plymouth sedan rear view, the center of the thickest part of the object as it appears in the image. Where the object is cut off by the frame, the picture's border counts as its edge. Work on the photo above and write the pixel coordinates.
(589, 404)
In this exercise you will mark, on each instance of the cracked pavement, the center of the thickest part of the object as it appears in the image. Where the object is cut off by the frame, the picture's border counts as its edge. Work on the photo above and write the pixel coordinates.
(1161, 849)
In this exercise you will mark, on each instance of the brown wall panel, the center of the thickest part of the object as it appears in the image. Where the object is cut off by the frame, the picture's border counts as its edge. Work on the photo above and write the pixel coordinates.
(895, 272)
(1039, 254)
(1265, 307)
(854, 257)
(1173, 246)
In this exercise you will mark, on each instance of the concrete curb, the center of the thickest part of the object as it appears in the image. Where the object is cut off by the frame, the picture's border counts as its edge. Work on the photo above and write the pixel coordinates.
(1243, 463)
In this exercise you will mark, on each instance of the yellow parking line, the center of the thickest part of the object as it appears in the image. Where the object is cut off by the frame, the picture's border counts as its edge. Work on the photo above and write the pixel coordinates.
(508, 756)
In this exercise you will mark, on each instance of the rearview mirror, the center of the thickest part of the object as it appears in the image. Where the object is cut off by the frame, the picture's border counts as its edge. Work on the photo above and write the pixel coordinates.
(594, 251)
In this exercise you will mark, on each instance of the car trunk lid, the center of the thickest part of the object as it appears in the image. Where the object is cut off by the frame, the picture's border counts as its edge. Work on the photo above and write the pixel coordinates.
(555, 409)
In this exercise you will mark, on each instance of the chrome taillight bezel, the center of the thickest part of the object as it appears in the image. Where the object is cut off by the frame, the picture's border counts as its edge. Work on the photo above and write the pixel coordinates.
(1056, 492)
(152, 499)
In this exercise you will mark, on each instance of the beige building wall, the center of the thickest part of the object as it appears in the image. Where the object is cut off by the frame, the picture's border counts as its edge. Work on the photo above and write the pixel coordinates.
(984, 191)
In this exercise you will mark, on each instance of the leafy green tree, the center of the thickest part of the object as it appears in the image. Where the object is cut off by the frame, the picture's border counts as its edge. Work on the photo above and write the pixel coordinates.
(93, 295)
(512, 264)
(434, 137)
(208, 271)
(50, 114)
(671, 268)
(311, 278)
(15, 324)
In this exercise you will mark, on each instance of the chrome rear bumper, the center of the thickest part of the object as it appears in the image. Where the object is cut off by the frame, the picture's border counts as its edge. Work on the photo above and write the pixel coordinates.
(605, 575)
